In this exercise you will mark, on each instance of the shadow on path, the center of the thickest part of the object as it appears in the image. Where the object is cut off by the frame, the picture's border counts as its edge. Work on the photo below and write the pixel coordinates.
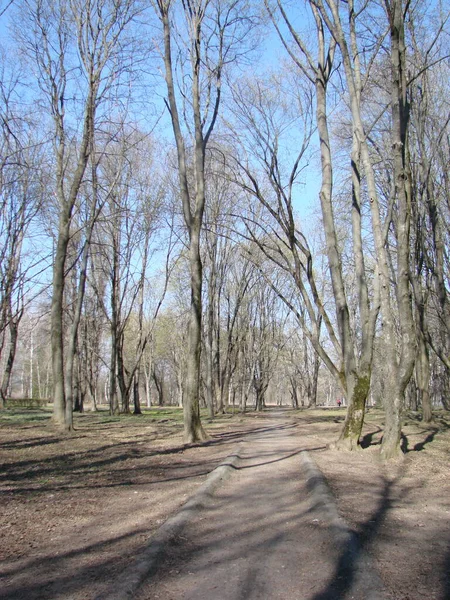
(446, 571)
(352, 565)
(65, 574)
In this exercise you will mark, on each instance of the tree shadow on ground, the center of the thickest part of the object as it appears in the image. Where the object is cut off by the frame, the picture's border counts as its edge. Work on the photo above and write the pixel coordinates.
(419, 446)
(446, 571)
(351, 553)
(58, 576)
(227, 435)
(117, 465)
(430, 437)
(29, 443)
(109, 456)
(84, 476)
(368, 439)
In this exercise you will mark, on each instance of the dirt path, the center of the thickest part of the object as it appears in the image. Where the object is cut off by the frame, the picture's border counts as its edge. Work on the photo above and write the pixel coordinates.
(264, 535)
(76, 510)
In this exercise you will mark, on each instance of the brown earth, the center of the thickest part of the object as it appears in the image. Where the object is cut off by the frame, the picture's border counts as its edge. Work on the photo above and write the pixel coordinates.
(76, 509)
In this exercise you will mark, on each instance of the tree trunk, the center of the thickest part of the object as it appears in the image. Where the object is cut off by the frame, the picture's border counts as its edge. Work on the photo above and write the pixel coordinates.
(393, 406)
(121, 378)
(315, 381)
(78, 392)
(400, 369)
(136, 395)
(209, 383)
(193, 430)
(423, 378)
(225, 391)
(57, 328)
(192, 197)
(159, 384)
(147, 384)
(351, 432)
(400, 120)
(294, 395)
(355, 383)
(114, 408)
(13, 336)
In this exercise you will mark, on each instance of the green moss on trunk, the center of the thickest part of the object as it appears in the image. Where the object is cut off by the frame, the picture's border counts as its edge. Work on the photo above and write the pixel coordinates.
(354, 420)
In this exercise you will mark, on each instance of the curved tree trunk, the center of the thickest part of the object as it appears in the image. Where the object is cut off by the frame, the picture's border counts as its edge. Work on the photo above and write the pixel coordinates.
(353, 377)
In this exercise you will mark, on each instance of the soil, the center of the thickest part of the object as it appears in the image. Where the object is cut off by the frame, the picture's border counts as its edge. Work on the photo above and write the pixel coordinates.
(77, 508)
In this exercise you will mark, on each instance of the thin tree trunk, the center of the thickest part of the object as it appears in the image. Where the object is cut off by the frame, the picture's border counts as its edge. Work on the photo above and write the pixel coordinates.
(57, 328)
(423, 377)
(210, 388)
(315, 381)
(136, 394)
(193, 204)
(62, 411)
(13, 337)
(121, 374)
(114, 408)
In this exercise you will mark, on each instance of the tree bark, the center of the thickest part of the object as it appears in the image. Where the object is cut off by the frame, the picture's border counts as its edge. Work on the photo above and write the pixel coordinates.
(423, 376)
(13, 337)
(193, 205)
(400, 377)
(57, 328)
(352, 369)
(136, 394)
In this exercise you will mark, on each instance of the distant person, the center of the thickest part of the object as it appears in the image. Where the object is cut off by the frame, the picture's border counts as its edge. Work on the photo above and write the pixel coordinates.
(339, 402)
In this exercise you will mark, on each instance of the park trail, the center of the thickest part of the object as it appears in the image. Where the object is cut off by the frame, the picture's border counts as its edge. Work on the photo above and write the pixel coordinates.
(265, 534)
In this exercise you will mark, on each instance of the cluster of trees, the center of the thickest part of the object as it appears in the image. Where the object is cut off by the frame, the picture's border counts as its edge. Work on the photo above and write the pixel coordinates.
(156, 164)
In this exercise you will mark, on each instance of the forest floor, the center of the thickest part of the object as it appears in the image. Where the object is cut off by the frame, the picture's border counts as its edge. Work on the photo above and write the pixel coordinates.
(75, 509)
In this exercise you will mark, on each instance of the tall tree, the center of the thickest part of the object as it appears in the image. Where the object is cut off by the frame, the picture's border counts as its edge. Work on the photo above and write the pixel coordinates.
(267, 113)
(399, 344)
(428, 145)
(228, 275)
(76, 49)
(209, 36)
(22, 188)
(126, 239)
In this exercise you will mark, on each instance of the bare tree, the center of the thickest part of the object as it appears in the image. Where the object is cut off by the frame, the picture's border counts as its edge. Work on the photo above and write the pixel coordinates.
(208, 35)
(302, 368)
(22, 188)
(267, 122)
(229, 276)
(267, 340)
(347, 39)
(76, 49)
(127, 236)
(430, 117)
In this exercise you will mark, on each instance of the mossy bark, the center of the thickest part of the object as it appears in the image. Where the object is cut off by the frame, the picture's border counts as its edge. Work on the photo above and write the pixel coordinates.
(354, 420)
